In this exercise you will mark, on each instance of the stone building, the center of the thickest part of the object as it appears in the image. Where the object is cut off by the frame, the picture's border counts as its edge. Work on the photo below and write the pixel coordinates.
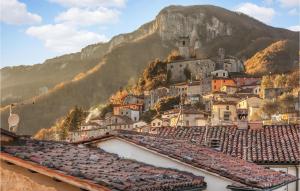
(196, 69)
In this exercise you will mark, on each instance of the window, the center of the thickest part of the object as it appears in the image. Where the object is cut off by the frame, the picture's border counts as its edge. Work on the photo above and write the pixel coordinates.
(158, 124)
(172, 66)
(180, 65)
(134, 118)
(217, 74)
(215, 87)
(223, 73)
(223, 80)
(227, 107)
(227, 116)
(153, 124)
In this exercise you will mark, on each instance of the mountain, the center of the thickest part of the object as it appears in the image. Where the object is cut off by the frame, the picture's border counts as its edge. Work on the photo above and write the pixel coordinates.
(108, 66)
(279, 57)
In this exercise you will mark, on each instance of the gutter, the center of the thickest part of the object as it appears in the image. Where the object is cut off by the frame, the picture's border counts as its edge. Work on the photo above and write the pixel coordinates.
(75, 181)
(297, 175)
(236, 188)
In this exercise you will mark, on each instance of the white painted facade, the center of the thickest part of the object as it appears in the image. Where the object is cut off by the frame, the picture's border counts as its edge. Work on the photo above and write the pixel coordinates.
(157, 122)
(220, 73)
(132, 151)
(223, 114)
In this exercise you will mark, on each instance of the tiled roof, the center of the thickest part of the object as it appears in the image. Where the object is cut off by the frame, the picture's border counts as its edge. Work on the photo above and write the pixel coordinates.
(269, 145)
(102, 168)
(224, 103)
(8, 133)
(244, 173)
(185, 111)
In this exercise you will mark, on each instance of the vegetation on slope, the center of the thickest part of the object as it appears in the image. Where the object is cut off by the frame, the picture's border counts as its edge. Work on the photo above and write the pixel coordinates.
(279, 57)
(60, 130)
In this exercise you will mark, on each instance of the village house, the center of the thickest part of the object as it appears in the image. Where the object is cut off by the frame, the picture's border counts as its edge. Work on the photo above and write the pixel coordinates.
(274, 147)
(153, 96)
(220, 171)
(132, 111)
(198, 69)
(252, 104)
(139, 124)
(178, 89)
(223, 113)
(86, 134)
(257, 90)
(229, 89)
(186, 117)
(218, 83)
(159, 122)
(232, 64)
(133, 99)
(146, 129)
(220, 73)
(243, 80)
(118, 122)
(86, 125)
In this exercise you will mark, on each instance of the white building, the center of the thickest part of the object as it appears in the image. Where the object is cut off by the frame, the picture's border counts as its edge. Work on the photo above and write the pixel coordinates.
(252, 104)
(139, 124)
(223, 113)
(220, 73)
(186, 117)
(158, 122)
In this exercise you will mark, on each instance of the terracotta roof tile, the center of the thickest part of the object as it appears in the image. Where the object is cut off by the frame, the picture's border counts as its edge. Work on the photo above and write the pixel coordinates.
(244, 173)
(102, 168)
(271, 144)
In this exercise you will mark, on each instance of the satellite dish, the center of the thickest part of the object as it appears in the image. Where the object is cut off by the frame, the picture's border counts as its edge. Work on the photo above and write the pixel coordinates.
(13, 120)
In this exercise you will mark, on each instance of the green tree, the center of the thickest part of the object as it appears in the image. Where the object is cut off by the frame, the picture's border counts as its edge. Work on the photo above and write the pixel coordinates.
(74, 119)
(286, 102)
(266, 82)
(280, 81)
(106, 109)
(270, 108)
(167, 103)
(148, 115)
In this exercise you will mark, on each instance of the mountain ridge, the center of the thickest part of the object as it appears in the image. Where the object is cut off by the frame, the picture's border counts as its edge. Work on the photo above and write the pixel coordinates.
(126, 56)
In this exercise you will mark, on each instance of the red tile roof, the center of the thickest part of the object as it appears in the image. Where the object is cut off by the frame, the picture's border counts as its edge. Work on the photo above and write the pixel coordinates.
(269, 145)
(244, 173)
(99, 167)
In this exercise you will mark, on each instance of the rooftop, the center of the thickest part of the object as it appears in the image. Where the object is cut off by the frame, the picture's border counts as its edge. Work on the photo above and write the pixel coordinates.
(245, 174)
(99, 167)
(268, 145)
(185, 111)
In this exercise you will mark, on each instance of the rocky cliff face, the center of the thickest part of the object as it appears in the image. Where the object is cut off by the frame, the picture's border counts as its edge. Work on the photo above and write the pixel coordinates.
(114, 63)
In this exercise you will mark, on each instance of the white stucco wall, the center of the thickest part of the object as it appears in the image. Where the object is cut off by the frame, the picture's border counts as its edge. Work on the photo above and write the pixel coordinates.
(131, 151)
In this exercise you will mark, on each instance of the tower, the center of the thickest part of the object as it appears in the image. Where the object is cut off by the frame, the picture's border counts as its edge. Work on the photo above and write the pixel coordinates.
(221, 57)
(184, 46)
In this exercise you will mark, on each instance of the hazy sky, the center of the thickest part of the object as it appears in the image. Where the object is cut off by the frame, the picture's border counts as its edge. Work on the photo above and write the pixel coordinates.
(34, 30)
